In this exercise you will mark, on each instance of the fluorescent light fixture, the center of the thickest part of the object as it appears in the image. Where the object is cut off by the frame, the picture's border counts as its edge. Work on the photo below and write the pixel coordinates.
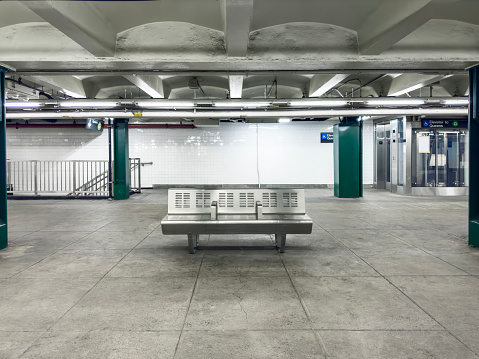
(89, 103)
(284, 120)
(190, 114)
(395, 102)
(22, 104)
(166, 104)
(247, 104)
(457, 102)
(318, 103)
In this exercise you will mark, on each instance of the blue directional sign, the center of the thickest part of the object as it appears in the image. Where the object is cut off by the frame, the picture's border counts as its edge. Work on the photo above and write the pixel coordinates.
(436, 123)
(326, 137)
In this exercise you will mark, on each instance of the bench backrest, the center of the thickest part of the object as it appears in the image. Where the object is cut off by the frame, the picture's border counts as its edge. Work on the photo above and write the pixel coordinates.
(236, 201)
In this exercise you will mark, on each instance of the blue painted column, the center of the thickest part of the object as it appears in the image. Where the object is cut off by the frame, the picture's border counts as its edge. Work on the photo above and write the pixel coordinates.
(3, 164)
(474, 157)
(121, 164)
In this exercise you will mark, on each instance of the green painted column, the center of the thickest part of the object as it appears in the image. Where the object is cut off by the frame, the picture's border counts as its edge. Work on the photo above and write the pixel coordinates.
(121, 159)
(348, 158)
(474, 157)
(3, 164)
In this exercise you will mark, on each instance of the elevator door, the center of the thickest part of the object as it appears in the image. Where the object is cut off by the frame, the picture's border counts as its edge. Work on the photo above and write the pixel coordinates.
(383, 165)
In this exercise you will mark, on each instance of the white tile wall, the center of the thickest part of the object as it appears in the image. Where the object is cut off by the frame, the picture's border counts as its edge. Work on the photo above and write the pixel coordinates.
(368, 152)
(234, 153)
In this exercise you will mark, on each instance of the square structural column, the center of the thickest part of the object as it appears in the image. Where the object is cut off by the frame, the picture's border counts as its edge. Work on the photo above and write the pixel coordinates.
(3, 164)
(121, 159)
(474, 157)
(348, 153)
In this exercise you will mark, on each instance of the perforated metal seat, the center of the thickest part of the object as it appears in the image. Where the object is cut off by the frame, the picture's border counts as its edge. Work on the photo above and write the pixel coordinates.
(196, 212)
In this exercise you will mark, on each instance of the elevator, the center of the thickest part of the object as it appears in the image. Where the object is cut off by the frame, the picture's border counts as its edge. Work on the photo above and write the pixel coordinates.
(420, 156)
(383, 173)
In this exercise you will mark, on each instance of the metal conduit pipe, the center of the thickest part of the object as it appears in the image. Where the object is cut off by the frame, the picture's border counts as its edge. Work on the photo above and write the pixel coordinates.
(136, 125)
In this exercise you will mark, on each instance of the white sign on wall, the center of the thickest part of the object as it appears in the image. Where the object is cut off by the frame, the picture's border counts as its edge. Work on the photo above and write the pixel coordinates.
(424, 143)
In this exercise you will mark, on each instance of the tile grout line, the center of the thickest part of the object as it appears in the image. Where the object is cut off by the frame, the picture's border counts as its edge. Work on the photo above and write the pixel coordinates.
(195, 286)
(316, 333)
(431, 254)
(83, 296)
(51, 254)
(413, 301)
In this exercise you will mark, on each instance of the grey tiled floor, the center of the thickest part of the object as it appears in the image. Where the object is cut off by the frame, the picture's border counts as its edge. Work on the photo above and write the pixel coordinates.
(384, 276)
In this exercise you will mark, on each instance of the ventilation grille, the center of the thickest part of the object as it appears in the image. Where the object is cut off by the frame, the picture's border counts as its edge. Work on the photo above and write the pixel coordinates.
(203, 200)
(246, 199)
(270, 200)
(182, 200)
(225, 199)
(290, 199)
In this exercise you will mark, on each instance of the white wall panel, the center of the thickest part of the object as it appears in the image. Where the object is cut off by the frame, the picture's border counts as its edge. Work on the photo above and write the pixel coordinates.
(368, 152)
(284, 153)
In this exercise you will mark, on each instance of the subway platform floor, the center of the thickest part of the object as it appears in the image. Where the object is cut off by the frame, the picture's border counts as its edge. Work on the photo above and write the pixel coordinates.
(384, 276)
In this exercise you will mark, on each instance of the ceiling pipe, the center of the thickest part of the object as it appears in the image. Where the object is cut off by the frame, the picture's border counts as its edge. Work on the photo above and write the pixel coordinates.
(235, 114)
(145, 104)
(75, 125)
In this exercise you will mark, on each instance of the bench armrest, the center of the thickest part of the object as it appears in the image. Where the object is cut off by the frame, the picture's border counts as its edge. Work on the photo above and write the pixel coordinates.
(214, 210)
(259, 210)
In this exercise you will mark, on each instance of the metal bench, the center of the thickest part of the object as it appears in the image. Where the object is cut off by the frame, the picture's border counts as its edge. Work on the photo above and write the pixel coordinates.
(195, 212)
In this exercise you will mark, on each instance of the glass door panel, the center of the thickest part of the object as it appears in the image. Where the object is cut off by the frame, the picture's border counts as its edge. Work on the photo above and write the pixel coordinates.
(430, 162)
(439, 158)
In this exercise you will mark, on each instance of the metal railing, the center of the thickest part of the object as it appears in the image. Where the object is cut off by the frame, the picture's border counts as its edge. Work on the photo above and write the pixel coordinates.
(135, 175)
(69, 178)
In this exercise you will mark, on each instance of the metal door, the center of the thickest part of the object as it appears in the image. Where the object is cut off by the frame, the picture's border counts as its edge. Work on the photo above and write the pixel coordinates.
(393, 168)
(387, 167)
(381, 156)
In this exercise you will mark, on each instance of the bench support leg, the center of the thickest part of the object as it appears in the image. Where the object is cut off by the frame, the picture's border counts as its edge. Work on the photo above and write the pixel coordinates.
(193, 241)
(280, 239)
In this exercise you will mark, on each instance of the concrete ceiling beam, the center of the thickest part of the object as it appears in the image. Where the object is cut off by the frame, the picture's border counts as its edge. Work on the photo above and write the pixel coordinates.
(152, 85)
(80, 22)
(391, 22)
(236, 86)
(69, 85)
(406, 83)
(320, 84)
(456, 85)
(237, 15)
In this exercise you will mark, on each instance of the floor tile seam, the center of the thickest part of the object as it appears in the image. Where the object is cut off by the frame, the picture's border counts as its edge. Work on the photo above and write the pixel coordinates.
(385, 330)
(313, 329)
(28, 233)
(146, 237)
(413, 301)
(354, 253)
(126, 255)
(22, 331)
(88, 291)
(434, 275)
(434, 319)
(195, 286)
(94, 250)
(317, 335)
(431, 254)
(41, 260)
(315, 222)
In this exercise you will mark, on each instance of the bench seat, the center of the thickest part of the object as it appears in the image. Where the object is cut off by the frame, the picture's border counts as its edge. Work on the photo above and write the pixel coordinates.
(248, 211)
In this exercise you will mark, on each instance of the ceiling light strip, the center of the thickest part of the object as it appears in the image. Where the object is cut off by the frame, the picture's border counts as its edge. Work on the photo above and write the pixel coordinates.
(241, 114)
(238, 104)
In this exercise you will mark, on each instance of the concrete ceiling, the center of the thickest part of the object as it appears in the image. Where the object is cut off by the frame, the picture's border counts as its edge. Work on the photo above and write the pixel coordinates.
(186, 49)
